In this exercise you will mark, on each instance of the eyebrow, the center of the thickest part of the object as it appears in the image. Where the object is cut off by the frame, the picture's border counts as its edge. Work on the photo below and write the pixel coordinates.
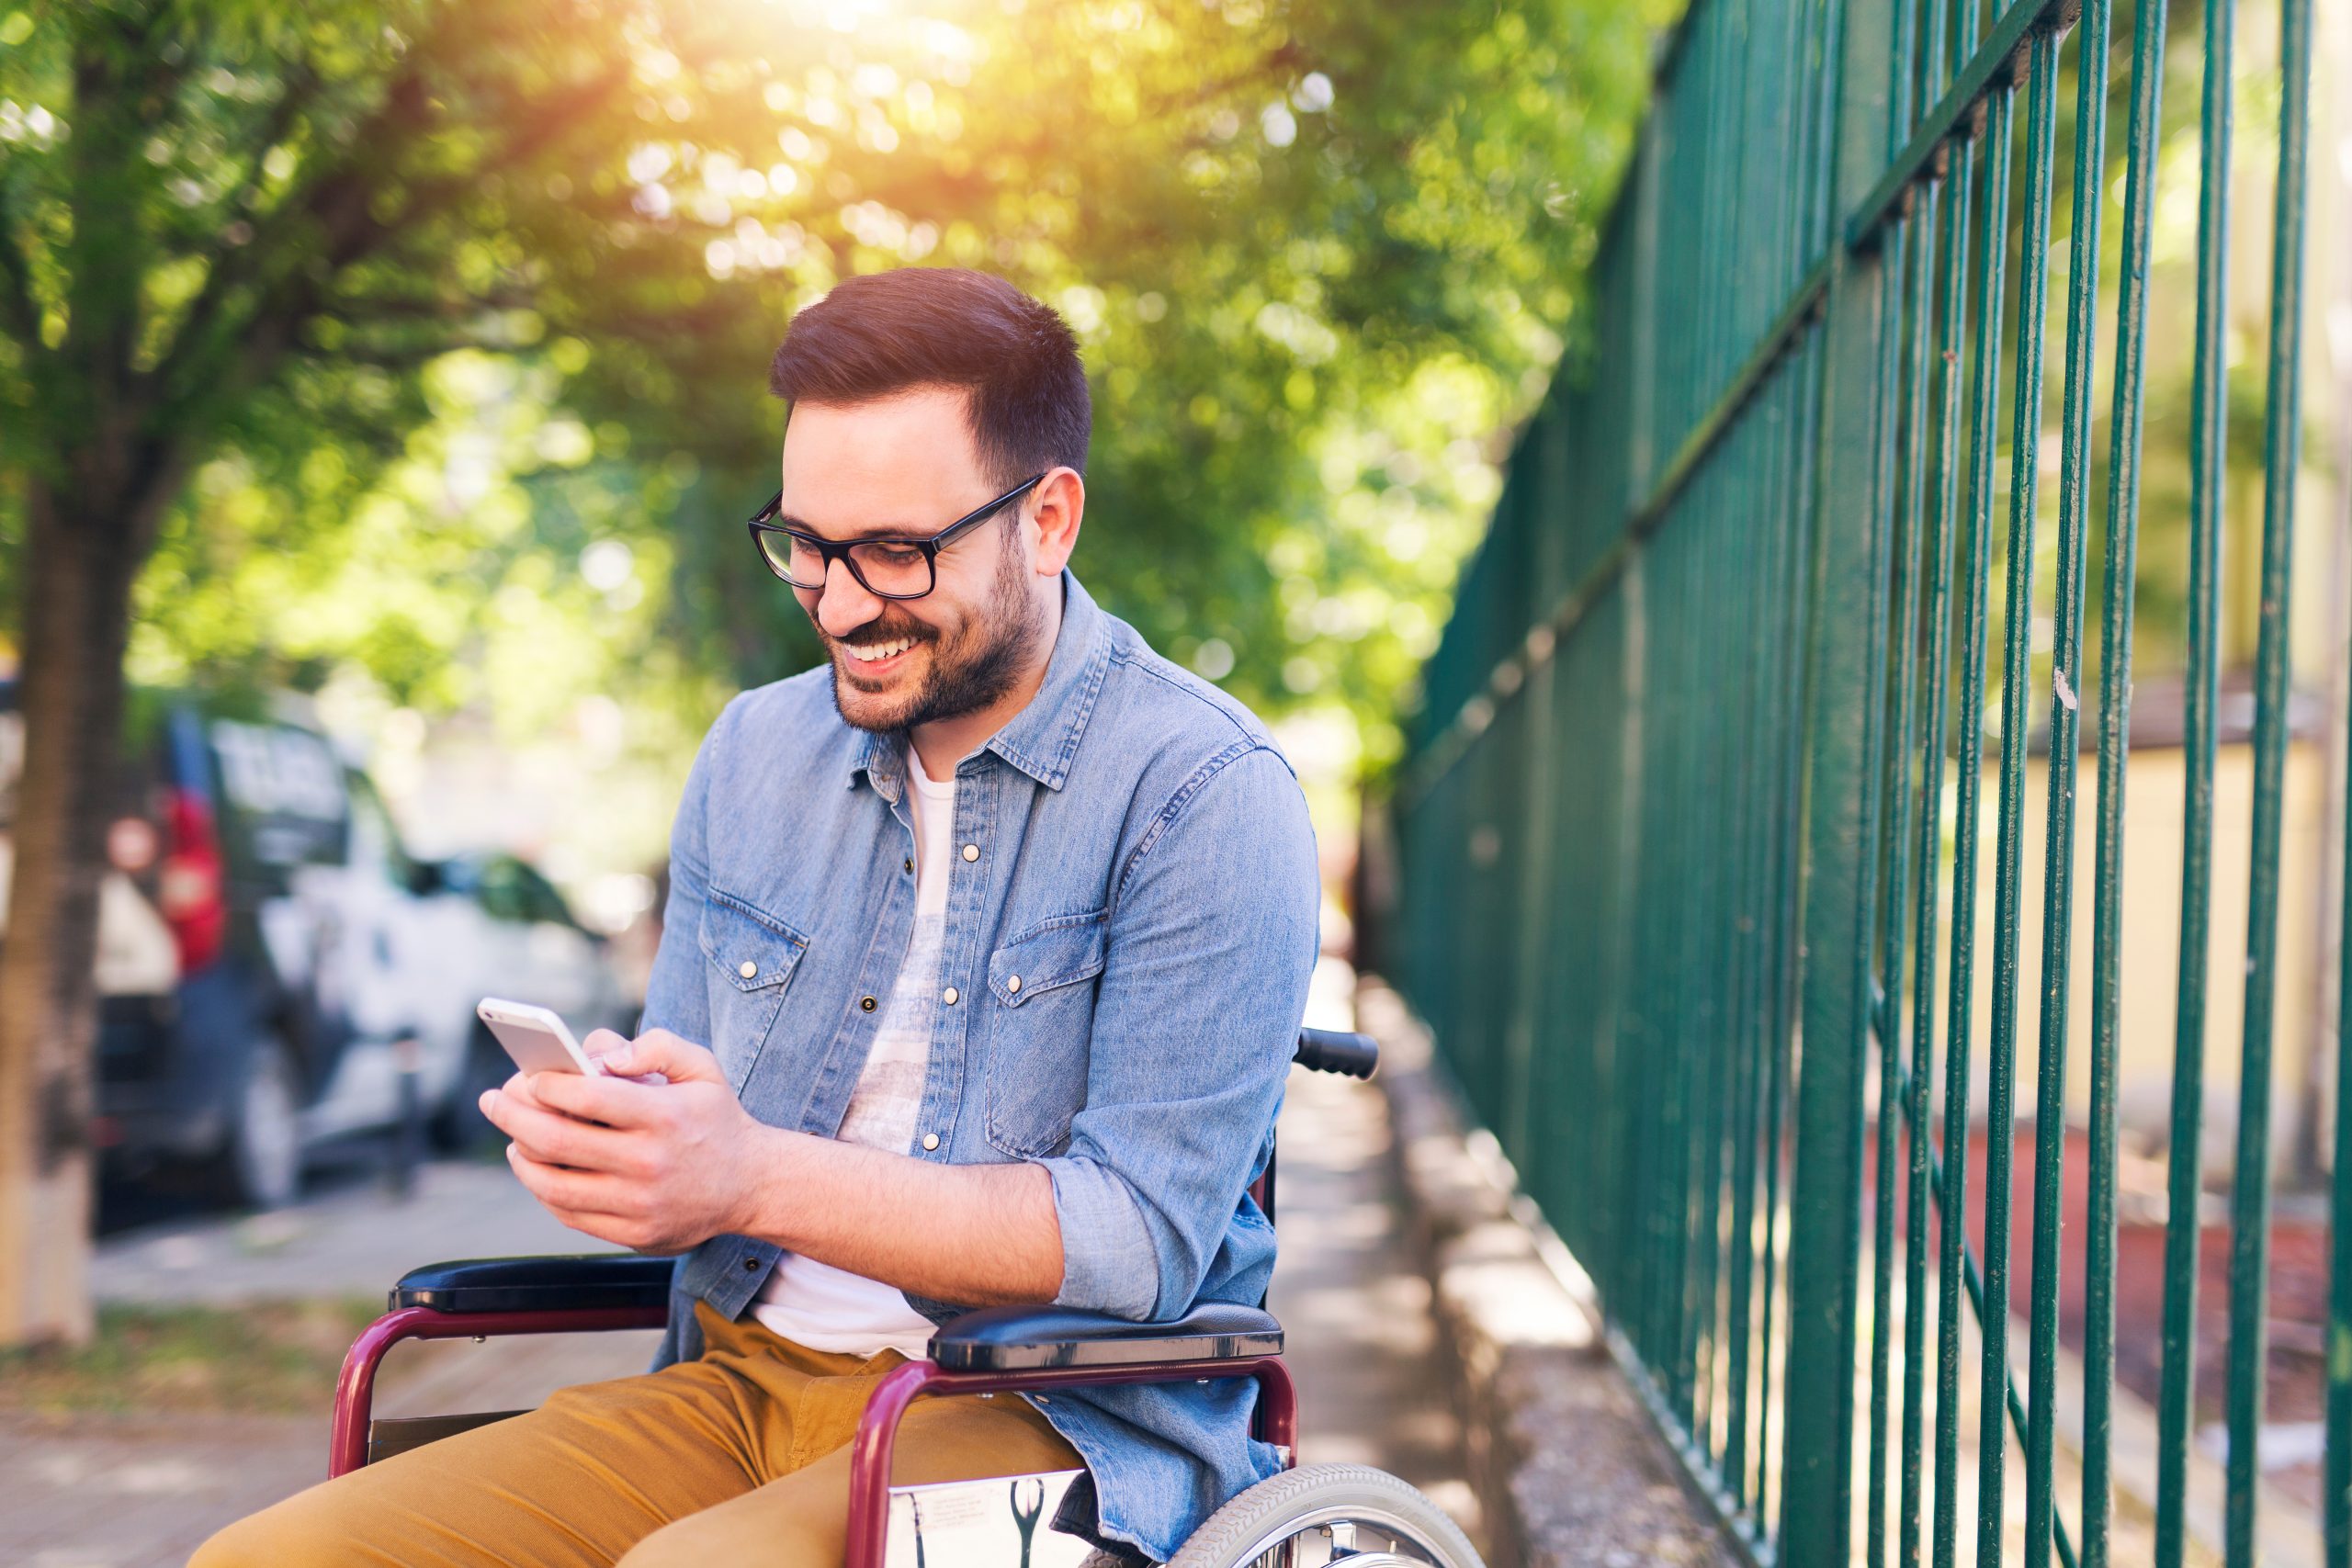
(787, 520)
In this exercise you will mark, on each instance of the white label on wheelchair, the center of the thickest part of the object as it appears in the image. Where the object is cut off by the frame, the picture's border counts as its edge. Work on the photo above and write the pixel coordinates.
(1004, 1523)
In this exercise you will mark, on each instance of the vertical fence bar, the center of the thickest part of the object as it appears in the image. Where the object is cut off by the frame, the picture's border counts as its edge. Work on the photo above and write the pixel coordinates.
(2114, 747)
(1892, 850)
(1750, 297)
(1968, 724)
(1659, 886)
(2066, 681)
(1671, 1214)
(1735, 927)
(1892, 821)
(1845, 661)
(2281, 442)
(1814, 99)
(1896, 1110)
(1899, 459)
(2009, 876)
(1710, 632)
(1811, 42)
(1753, 1031)
(2208, 462)
(1946, 203)
(1798, 520)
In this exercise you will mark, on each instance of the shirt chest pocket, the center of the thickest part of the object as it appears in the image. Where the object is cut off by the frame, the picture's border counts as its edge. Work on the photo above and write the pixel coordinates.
(1041, 995)
(751, 957)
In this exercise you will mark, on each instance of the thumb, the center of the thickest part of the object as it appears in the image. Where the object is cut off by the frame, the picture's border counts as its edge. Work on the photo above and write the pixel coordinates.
(655, 1051)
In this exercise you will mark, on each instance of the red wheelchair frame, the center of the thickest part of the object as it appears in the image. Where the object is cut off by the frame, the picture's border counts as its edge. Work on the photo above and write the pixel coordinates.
(993, 1350)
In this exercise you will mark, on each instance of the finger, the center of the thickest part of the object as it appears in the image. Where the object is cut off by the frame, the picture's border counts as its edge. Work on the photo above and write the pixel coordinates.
(552, 1138)
(622, 1230)
(604, 1228)
(575, 1192)
(659, 1051)
(524, 1088)
(610, 1051)
(603, 1043)
(501, 1103)
(613, 1102)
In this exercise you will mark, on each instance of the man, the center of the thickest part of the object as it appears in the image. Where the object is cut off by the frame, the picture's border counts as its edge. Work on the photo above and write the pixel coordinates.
(985, 952)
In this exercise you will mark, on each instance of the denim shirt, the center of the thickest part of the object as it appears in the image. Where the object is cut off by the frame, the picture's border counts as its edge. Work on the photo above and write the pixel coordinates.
(1131, 923)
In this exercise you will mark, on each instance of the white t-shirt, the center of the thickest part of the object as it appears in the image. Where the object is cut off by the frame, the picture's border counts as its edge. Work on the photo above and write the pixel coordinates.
(814, 1304)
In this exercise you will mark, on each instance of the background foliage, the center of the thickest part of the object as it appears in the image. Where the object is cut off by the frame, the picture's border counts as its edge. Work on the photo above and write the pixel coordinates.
(1321, 257)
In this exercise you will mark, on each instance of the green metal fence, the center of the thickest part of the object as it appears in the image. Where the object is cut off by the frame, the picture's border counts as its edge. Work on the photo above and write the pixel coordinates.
(1689, 830)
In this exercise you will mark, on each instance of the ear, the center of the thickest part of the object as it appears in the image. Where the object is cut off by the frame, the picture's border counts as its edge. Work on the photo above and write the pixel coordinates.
(1058, 505)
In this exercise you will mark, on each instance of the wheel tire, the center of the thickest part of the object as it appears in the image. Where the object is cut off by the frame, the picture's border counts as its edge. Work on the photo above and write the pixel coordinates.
(262, 1166)
(1301, 1500)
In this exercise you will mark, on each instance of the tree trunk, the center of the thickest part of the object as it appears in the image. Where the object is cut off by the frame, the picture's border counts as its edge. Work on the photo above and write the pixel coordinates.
(82, 555)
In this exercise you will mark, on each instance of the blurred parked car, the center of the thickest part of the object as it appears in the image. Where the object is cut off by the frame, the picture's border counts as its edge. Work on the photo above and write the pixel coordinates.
(271, 962)
(528, 947)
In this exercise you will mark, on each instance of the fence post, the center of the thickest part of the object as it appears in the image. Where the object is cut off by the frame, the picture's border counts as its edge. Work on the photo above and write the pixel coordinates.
(1844, 681)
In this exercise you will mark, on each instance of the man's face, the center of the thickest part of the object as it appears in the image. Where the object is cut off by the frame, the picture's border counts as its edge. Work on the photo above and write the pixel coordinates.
(906, 467)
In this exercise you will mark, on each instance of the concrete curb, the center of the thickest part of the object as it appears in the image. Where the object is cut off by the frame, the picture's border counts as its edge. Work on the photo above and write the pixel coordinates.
(1567, 1467)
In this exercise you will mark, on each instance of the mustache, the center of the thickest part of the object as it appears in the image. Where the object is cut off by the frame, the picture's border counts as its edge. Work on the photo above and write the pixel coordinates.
(882, 630)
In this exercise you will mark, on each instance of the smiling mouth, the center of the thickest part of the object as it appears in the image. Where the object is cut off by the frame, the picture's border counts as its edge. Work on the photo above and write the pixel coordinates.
(876, 652)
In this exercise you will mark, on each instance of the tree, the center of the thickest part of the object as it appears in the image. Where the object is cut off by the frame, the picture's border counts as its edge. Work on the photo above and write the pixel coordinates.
(1314, 251)
(213, 186)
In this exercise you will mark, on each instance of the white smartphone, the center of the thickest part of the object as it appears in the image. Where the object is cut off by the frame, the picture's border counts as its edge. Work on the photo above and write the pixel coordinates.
(536, 1037)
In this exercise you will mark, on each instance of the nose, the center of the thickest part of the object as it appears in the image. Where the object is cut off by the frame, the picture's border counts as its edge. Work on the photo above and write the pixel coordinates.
(843, 605)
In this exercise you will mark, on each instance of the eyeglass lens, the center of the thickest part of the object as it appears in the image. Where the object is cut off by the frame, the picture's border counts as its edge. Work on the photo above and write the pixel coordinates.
(882, 565)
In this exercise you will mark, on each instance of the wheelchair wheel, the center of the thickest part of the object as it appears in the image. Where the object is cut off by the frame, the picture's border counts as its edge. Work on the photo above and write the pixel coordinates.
(1328, 1514)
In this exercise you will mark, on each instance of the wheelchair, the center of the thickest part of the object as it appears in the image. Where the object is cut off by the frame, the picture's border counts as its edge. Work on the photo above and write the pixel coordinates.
(1304, 1518)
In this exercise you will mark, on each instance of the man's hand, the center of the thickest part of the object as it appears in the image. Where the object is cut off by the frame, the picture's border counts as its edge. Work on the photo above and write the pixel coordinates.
(661, 1167)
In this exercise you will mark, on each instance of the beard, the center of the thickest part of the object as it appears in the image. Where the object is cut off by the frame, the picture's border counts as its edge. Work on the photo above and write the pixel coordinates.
(969, 668)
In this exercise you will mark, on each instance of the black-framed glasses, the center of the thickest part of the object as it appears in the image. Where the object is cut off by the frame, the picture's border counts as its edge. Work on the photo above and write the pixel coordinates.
(886, 568)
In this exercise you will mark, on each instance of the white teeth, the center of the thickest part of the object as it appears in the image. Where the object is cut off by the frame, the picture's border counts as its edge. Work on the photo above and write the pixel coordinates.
(869, 654)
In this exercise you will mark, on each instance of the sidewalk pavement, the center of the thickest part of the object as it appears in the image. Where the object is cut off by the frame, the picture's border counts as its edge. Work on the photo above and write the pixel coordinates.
(351, 1239)
(1355, 1302)
(90, 1490)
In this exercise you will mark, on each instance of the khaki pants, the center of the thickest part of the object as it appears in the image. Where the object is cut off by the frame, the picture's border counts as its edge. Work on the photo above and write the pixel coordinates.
(737, 1460)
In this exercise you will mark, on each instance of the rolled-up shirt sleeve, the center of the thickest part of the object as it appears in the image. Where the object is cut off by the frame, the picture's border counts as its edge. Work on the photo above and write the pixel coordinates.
(1211, 944)
(1108, 1260)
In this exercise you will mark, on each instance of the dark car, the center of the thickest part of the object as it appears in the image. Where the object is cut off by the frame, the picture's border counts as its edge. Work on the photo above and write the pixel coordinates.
(270, 962)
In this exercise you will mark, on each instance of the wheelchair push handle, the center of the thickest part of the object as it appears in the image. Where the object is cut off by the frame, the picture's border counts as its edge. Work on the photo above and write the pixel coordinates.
(1337, 1051)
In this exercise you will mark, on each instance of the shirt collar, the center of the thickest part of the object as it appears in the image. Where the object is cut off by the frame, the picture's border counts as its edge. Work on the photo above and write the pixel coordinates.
(1042, 738)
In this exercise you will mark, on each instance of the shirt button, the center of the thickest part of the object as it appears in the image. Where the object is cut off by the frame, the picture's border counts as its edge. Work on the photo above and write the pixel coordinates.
(948, 995)
(907, 864)
(747, 969)
(1013, 982)
(931, 1140)
(751, 1265)
(971, 852)
(866, 1004)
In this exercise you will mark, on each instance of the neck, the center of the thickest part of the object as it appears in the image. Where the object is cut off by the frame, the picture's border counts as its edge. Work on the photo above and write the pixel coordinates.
(945, 742)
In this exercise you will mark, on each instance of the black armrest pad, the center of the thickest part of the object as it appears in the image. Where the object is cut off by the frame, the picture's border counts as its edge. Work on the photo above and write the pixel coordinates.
(1021, 1339)
(537, 1284)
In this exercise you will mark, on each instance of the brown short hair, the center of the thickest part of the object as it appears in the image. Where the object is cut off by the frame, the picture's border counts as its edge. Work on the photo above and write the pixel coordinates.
(930, 326)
